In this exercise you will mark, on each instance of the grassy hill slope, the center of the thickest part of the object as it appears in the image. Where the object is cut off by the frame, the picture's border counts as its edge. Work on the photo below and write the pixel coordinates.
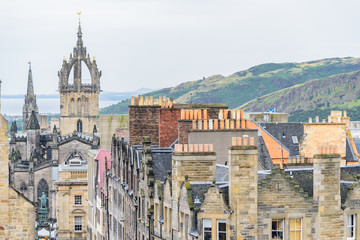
(314, 98)
(243, 86)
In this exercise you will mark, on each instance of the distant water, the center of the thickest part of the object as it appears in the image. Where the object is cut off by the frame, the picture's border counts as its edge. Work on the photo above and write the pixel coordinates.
(13, 106)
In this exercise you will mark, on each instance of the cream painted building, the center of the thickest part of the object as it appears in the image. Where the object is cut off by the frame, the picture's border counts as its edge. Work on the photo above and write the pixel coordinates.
(71, 197)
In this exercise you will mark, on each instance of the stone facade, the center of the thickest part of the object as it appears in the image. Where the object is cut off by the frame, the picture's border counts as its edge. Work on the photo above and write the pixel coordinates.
(17, 213)
(194, 200)
(113, 124)
(71, 201)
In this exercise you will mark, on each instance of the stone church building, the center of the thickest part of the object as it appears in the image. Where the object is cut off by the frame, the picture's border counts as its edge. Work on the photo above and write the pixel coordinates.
(16, 211)
(36, 154)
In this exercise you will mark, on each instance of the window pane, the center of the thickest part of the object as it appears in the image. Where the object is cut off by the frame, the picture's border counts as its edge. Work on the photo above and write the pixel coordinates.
(292, 224)
(277, 227)
(222, 236)
(207, 236)
(222, 227)
(298, 223)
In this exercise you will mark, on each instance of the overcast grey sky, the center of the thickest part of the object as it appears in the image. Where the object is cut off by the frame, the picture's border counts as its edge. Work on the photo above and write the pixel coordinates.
(161, 43)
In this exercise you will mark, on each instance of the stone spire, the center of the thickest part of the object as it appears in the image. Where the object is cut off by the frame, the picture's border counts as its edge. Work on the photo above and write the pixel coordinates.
(30, 86)
(30, 100)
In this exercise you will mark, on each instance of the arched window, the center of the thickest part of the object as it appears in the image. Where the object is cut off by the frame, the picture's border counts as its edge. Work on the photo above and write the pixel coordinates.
(23, 187)
(72, 106)
(48, 153)
(79, 112)
(43, 187)
(79, 126)
(86, 107)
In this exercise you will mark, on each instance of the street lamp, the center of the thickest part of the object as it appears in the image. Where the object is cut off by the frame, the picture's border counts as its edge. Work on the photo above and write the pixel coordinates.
(197, 204)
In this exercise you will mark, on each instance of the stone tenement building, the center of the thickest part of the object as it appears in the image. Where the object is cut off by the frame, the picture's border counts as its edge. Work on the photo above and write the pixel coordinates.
(181, 193)
(16, 211)
(36, 156)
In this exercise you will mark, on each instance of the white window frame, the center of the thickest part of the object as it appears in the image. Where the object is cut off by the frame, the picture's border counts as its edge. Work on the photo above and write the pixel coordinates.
(207, 223)
(348, 225)
(78, 224)
(282, 221)
(296, 230)
(218, 231)
(76, 200)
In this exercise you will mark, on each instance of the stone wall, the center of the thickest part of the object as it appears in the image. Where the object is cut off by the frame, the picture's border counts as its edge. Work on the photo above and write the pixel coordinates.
(68, 119)
(17, 213)
(279, 197)
(319, 134)
(199, 166)
(112, 124)
(327, 195)
(68, 148)
(68, 124)
(243, 192)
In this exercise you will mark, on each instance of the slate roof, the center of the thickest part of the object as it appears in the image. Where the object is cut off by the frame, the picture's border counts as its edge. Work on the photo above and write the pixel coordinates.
(161, 162)
(222, 173)
(263, 155)
(289, 129)
(161, 157)
(350, 156)
(198, 190)
(304, 177)
(357, 144)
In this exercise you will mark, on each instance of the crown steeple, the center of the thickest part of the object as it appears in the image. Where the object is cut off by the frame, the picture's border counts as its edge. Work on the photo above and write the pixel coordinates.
(79, 97)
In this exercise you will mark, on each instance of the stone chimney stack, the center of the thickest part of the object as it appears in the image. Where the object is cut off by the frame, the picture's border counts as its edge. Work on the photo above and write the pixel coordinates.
(243, 187)
(197, 161)
(327, 194)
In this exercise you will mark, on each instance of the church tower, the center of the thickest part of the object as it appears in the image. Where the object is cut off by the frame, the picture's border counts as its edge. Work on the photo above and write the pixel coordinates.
(30, 101)
(79, 102)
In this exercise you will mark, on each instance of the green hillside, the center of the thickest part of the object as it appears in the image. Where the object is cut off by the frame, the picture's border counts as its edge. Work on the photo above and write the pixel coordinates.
(314, 98)
(255, 82)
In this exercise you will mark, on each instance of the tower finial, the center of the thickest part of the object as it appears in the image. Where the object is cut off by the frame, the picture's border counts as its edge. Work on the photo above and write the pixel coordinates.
(79, 13)
(29, 62)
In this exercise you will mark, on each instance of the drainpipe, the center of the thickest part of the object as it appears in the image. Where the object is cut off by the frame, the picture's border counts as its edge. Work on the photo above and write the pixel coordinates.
(107, 202)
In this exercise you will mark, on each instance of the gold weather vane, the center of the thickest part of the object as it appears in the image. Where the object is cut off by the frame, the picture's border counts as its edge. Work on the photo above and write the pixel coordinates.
(79, 13)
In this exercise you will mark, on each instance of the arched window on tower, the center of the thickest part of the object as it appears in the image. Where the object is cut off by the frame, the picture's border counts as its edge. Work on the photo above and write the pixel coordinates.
(79, 112)
(43, 187)
(79, 126)
(72, 106)
(48, 153)
(86, 107)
